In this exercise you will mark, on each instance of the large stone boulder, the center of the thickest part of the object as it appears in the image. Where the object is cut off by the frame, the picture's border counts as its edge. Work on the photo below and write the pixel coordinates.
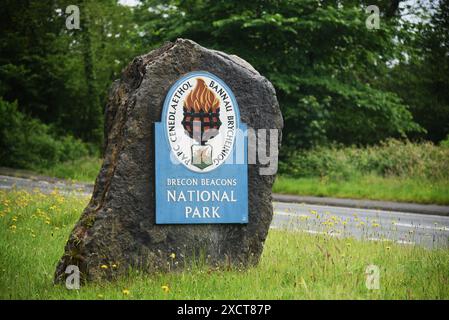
(117, 228)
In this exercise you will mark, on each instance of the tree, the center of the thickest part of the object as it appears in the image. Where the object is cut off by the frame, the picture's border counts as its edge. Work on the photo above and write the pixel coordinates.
(323, 61)
(421, 78)
(62, 76)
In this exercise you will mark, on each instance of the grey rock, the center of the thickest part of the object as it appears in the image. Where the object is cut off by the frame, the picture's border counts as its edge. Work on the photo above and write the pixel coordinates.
(117, 227)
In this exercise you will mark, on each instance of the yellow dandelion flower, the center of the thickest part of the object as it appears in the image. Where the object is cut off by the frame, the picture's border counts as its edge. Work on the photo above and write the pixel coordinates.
(125, 292)
(103, 266)
(114, 266)
(173, 256)
(165, 288)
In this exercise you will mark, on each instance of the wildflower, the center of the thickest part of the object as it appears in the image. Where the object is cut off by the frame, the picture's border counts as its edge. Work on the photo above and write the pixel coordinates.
(173, 256)
(375, 225)
(103, 266)
(114, 266)
(13, 227)
(165, 288)
(125, 292)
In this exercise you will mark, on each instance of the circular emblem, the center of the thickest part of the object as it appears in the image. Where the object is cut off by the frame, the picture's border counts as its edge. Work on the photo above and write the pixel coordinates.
(200, 121)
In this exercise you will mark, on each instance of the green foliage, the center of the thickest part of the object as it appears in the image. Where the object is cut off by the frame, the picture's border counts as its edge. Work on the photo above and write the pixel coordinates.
(321, 58)
(28, 143)
(62, 76)
(445, 143)
(83, 169)
(421, 76)
(336, 80)
(368, 186)
(390, 158)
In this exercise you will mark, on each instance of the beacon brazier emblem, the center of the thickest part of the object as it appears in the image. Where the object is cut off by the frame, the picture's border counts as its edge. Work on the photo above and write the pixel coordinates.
(201, 154)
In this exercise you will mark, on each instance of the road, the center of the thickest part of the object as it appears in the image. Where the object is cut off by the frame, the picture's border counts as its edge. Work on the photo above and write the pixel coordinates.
(375, 225)
(431, 231)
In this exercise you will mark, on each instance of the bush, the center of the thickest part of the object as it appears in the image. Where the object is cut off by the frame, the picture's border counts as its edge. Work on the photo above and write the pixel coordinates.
(390, 158)
(445, 143)
(28, 143)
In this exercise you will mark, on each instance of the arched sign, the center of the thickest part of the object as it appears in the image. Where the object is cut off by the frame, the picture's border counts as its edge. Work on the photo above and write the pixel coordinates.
(201, 154)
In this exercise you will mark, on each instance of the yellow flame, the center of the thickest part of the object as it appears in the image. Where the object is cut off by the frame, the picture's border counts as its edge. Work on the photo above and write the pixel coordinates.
(201, 98)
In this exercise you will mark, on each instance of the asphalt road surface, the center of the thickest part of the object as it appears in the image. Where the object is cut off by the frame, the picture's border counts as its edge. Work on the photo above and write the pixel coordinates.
(431, 231)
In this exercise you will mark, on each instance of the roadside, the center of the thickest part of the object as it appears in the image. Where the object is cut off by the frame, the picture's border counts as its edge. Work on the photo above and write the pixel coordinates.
(13, 178)
(368, 187)
(430, 209)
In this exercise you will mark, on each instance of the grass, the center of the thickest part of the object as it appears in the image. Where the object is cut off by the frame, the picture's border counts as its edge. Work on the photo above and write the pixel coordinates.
(294, 265)
(371, 187)
(83, 170)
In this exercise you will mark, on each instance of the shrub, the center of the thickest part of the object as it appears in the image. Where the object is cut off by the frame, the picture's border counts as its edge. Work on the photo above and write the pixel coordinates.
(445, 143)
(28, 143)
(390, 158)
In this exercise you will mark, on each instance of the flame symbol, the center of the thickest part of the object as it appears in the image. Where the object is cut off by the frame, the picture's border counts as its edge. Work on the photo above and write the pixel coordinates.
(201, 98)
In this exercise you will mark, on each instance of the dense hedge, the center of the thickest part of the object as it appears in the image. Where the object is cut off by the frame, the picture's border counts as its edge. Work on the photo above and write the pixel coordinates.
(390, 158)
(28, 143)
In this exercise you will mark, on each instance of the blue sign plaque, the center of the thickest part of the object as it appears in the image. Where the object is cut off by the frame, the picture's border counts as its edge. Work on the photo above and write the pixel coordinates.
(201, 154)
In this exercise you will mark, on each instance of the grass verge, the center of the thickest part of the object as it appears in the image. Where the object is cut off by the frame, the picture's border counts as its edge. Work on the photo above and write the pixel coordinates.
(294, 265)
(371, 187)
(83, 170)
